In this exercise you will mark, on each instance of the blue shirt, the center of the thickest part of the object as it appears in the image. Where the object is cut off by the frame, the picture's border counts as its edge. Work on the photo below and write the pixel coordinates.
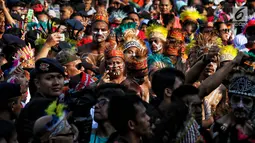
(97, 139)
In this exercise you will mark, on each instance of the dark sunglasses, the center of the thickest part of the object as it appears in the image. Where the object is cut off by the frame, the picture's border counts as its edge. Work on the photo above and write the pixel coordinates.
(225, 30)
(102, 102)
(79, 66)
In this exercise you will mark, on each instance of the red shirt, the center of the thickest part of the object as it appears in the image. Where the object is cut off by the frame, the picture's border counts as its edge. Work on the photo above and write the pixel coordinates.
(141, 35)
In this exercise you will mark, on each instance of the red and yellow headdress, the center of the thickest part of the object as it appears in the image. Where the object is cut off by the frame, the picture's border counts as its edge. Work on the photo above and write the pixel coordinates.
(191, 14)
(101, 16)
(156, 31)
(112, 52)
(177, 34)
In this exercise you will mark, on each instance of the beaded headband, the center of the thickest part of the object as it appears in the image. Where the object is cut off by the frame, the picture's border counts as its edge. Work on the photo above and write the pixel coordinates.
(242, 86)
(131, 44)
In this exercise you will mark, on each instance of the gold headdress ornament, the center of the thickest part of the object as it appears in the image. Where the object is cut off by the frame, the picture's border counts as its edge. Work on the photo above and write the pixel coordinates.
(191, 14)
(228, 53)
(101, 16)
(157, 31)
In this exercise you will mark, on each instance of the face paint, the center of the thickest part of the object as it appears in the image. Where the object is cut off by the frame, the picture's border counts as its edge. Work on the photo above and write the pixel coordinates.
(156, 47)
(100, 35)
(115, 66)
(241, 106)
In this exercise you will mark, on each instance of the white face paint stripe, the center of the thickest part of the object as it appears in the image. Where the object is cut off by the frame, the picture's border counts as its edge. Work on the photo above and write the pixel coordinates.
(158, 46)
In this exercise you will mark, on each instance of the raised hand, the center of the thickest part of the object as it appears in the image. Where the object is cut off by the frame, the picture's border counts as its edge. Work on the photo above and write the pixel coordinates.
(53, 39)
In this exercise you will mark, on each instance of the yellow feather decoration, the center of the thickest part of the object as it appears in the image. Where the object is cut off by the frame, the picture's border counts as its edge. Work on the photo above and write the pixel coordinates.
(156, 31)
(228, 53)
(192, 14)
(55, 109)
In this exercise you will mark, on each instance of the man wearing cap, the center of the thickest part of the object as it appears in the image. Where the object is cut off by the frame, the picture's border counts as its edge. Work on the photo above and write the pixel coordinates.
(10, 103)
(49, 82)
(74, 69)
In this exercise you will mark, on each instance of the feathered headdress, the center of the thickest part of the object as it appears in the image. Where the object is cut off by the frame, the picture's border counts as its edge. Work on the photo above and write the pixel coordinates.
(158, 61)
(131, 41)
(126, 29)
(191, 14)
(54, 124)
(156, 31)
(201, 46)
(117, 16)
(58, 113)
(113, 52)
(24, 58)
(203, 42)
(100, 16)
(228, 53)
(177, 34)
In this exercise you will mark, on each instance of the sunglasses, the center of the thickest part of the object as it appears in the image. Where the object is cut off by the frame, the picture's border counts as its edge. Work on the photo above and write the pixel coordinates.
(79, 66)
(102, 102)
(225, 30)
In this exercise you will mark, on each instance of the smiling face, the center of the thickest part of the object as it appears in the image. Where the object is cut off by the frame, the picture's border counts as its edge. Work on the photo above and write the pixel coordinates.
(100, 31)
(165, 6)
(224, 32)
(50, 84)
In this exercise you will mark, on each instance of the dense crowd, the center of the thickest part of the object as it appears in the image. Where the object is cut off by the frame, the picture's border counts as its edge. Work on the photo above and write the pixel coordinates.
(127, 71)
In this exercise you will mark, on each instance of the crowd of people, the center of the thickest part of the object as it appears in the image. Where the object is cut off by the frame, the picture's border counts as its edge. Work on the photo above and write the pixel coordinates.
(127, 71)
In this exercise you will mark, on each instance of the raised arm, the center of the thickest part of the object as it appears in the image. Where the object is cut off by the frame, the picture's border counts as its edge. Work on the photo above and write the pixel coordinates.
(213, 81)
(8, 17)
(193, 74)
(51, 41)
